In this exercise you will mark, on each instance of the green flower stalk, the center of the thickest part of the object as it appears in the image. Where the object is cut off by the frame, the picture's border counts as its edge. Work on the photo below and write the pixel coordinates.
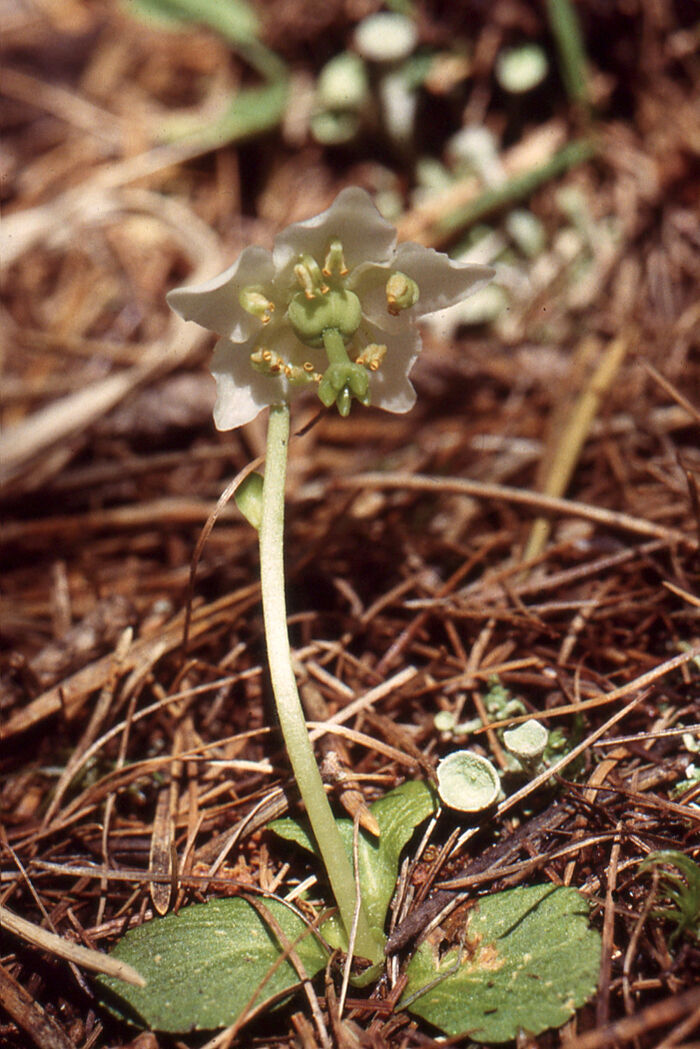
(332, 308)
(284, 686)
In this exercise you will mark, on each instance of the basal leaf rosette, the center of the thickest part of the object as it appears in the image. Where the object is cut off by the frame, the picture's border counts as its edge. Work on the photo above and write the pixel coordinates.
(333, 307)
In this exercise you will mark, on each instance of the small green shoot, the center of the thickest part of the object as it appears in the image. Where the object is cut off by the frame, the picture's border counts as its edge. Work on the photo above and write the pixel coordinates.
(249, 111)
(398, 814)
(680, 886)
(566, 30)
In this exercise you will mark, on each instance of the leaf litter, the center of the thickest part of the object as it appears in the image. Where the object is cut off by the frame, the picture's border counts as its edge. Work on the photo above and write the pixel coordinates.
(406, 536)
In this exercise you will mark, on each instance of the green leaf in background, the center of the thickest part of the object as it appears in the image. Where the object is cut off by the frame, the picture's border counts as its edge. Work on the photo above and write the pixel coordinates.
(398, 814)
(249, 111)
(204, 965)
(234, 20)
(529, 960)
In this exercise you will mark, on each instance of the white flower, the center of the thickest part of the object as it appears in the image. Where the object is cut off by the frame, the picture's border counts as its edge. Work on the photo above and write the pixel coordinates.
(334, 304)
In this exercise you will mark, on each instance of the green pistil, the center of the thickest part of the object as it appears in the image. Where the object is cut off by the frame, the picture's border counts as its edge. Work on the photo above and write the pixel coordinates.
(337, 309)
(343, 379)
(326, 314)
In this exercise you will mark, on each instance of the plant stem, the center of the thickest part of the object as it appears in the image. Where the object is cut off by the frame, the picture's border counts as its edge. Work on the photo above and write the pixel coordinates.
(291, 715)
(335, 348)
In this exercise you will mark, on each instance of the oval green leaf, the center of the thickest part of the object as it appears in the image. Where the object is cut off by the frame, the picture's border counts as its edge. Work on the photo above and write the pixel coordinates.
(398, 814)
(207, 965)
(528, 961)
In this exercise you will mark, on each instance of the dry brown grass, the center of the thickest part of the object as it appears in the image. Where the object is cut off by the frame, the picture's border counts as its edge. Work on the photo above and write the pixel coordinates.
(128, 760)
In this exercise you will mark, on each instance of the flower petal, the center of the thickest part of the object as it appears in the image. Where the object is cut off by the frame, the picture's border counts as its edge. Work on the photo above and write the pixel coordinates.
(440, 279)
(241, 392)
(441, 282)
(353, 219)
(215, 303)
(390, 388)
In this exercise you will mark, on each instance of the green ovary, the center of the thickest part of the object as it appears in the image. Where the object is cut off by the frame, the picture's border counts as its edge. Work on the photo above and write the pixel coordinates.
(337, 309)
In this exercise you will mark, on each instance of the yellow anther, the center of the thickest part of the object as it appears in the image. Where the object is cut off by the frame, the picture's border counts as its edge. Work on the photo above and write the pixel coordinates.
(267, 362)
(401, 293)
(253, 300)
(372, 357)
(308, 273)
(334, 264)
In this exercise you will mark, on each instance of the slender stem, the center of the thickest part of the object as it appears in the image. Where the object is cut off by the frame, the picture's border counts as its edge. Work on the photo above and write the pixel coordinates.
(291, 715)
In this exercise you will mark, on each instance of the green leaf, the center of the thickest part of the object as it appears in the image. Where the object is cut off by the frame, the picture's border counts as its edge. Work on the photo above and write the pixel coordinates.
(249, 112)
(234, 20)
(398, 814)
(529, 960)
(248, 498)
(204, 965)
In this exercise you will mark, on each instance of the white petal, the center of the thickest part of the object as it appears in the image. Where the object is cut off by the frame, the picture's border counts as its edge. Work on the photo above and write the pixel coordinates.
(441, 280)
(215, 304)
(390, 388)
(353, 218)
(241, 392)
(369, 284)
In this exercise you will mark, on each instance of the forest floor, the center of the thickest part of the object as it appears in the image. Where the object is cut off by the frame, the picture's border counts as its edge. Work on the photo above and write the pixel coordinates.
(532, 525)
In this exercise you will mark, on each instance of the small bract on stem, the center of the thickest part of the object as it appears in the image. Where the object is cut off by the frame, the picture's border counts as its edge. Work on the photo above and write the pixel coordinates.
(333, 308)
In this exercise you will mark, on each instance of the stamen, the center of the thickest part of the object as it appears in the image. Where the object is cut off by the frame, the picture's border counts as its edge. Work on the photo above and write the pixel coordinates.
(255, 301)
(334, 265)
(401, 293)
(303, 375)
(372, 356)
(267, 362)
(308, 273)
